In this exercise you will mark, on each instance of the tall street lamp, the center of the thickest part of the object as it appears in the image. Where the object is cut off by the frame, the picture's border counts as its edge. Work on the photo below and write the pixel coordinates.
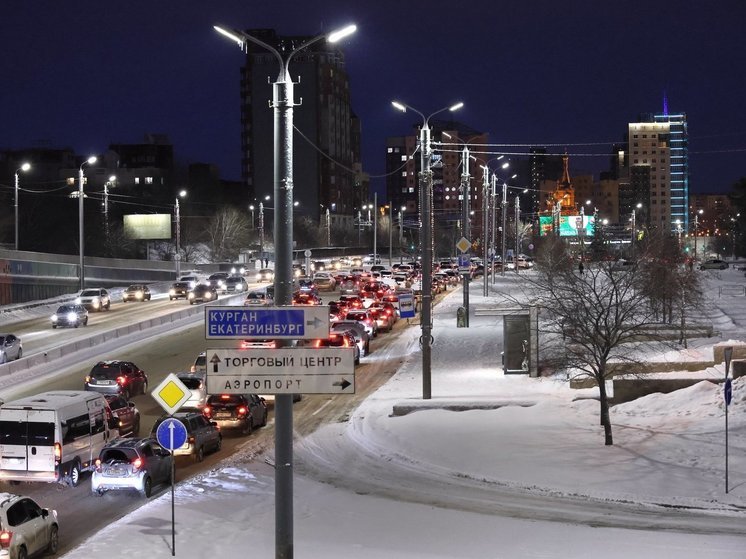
(282, 104)
(427, 242)
(696, 231)
(81, 179)
(177, 257)
(25, 167)
(111, 182)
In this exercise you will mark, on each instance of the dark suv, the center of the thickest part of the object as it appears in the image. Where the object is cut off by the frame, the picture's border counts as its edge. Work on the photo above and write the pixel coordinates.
(236, 411)
(117, 377)
(202, 435)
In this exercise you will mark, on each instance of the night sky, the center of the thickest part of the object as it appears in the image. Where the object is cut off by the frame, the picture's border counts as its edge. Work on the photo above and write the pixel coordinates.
(85, 74)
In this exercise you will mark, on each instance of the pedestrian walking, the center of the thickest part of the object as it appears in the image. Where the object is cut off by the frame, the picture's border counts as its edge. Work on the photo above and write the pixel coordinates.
(580, 267)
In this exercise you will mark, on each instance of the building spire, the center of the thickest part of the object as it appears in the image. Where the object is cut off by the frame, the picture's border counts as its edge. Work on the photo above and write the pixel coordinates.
(665, 103)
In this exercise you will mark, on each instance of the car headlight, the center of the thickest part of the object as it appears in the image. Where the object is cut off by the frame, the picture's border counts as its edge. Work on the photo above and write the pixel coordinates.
(72, 317)
(172, 292)
(138, 294)
(95, 303)
(208, 295)
(77, 300)
(258, 277)
(54, 318)
(239, 287)
(192, 284)
(221, 283)
(191, 295)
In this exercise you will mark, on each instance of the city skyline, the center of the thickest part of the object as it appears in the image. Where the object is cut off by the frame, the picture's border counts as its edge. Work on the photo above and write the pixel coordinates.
(561, 77)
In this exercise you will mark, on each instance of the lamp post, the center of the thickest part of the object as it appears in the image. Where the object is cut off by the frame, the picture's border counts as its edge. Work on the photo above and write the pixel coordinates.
(696, 230)
(177, 257)
(25, 167)
(107, 233)
(427, 243)
(282, 104)
(81, 179)
(485, 225)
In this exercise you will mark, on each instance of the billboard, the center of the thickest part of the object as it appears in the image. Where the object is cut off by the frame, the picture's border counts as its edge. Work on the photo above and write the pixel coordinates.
(570, 225)
(147, 226)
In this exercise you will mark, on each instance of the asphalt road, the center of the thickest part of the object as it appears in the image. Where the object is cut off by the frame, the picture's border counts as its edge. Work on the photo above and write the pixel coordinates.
(81, 512)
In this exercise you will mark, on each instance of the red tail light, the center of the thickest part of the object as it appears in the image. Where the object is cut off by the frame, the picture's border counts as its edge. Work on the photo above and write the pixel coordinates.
(242, 410)
(207, 411)
(57, 452)
(190, 440)
(122, 380)
(137, 464)
(97, 465)
(225, 396)
(5, 539)
(317, 343)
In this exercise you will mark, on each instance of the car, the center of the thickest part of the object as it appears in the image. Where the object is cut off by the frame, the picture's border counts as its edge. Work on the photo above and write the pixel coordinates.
(202, 435)
(70, 315)
(265, 274)
(305, 284)
(135, 464)
(337, 310)
(339, 339)
(324, 280)
(713, 264)
(260, 297)
(125, 415)
(117, 377)
(385, 316)
(358, 330)
(259, 344)
(10, 347)
(25, 528)
(319, 265)
(306, 299)
(622, 265)
(364, 318)
(200, 363)
(243, 412)
(352, 301)
(191, 280)
(349, 285)
(202, 293)
(236, 284)
(136, 292)
(96, 299)
(196, 382)
(179, 289)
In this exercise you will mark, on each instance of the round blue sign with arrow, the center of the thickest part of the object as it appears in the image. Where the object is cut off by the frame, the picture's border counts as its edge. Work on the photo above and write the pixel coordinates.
(171, 434)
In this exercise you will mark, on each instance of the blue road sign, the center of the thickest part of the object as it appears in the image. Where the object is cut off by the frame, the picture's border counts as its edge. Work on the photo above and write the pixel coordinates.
(406, 305)
(171, 434)
(463, 260)
(291, 323)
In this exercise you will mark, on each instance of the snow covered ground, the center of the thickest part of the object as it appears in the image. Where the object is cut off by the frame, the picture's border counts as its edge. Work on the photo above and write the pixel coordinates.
(524, 473)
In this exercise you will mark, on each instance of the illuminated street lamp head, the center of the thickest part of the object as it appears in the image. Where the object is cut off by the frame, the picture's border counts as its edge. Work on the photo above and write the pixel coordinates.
(230, 34)
(91, 160)
(399, 106)
(639, 205)
(112, 178)
(336, 36)
(505, 165)
(182, 193)
(456, 107)
(25, 166)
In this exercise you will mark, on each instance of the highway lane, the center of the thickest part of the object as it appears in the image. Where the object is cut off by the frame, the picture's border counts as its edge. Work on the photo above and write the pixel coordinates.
(82, 513)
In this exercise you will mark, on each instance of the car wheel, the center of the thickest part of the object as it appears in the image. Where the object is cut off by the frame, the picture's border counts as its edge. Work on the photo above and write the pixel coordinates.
(54, 541)
(4, 358)
(85, 321)
(219, 444)
(144, 388)
(20, 353)
(108, 306)
(248, 427)
(126, 395)
(75, 474)
(367, 349)
(200, 454)
(147, 487)
(22, 553)
(54, 326)
(136, 427)
(265, 417)
(76, 325)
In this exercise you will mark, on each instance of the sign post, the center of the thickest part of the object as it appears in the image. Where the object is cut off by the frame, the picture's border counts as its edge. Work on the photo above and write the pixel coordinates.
(727, 394)
(464, 266)
(171, 434)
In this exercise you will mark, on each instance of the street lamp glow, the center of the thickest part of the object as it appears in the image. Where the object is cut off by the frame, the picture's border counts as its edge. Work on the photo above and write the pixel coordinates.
(91, 160)
(456, 107)
(182, 193)
(229, 34)
(81, 180)
(399, 106)
(341, 33)
(25, 166)
(505, 165)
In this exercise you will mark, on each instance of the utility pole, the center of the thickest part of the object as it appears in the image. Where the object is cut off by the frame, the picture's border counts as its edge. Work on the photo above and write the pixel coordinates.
(466, 226)
(493, 219)
(485, 228)
(391, 233)
(261, 231)
(504, 205)
(375, 226)
(517, 225)
(328, 228)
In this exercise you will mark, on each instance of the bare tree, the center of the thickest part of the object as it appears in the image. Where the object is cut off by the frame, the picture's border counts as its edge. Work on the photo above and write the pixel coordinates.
(227, 233)
(590, 317)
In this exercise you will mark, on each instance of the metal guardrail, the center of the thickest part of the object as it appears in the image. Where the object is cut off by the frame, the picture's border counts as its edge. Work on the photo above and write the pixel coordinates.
(732, 290)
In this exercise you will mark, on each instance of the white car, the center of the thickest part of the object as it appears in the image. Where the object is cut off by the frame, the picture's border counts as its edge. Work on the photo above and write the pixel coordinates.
(10, 347)
(96, 299)
(26, 528)
(197, 383)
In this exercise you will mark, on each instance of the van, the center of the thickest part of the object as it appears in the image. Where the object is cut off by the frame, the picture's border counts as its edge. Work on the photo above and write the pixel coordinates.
(53, 436)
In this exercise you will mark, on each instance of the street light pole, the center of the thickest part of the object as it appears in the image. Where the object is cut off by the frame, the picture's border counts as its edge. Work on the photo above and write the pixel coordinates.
(391, 233)
(282, 104)
(81, 179)
(696, 231)
(177, 257)
(261, 232)
(504, 208)
(493, 219)
(485, 226)
(517, 233)
(24, 167)
(427, 242)
(375, 227)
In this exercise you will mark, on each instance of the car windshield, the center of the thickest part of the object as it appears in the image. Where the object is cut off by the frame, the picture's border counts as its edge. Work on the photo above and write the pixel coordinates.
(105, 372)
(225, 400)
(134, 288)
(191, 383)
(117, 403)
(90, 293)
(118, 455)
(65, 309)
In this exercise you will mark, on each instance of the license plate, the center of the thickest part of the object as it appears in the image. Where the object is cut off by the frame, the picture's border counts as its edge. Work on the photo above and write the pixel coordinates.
(223, 415)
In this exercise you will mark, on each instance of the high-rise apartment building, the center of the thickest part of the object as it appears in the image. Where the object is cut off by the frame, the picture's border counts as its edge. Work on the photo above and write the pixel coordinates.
(326, 148)
(658, 161)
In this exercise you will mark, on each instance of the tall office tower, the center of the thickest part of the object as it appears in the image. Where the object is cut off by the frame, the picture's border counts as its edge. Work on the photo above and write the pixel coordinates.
(659, 169)
(326, 129)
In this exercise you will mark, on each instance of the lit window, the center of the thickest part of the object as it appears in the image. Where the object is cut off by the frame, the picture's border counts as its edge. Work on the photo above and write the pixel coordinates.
(148, 180)
(403, 157)
(390, 150)
(411, 189)
(137, 180)
(403, 173)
